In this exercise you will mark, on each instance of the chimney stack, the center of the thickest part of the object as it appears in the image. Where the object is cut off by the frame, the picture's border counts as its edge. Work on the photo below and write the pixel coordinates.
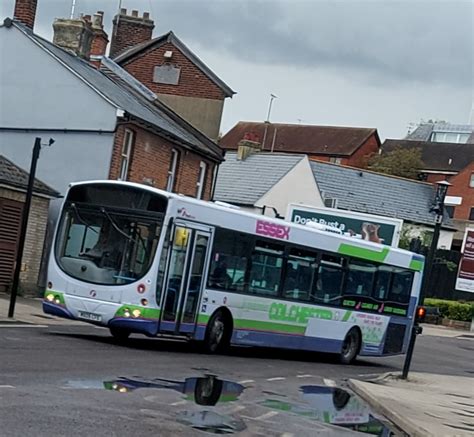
(74, 35)
(130, 30)
(100, 39)
(247, 146)
(25, 12)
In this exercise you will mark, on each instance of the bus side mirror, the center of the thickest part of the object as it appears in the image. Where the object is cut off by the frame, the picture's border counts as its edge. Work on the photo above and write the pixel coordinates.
(420, 314)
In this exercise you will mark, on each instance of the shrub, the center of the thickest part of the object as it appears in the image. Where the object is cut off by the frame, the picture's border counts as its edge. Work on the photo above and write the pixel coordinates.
(452, 309)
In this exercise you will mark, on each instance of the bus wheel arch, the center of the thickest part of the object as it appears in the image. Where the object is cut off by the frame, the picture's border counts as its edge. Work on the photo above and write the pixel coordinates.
(219, 331)
(351, 345)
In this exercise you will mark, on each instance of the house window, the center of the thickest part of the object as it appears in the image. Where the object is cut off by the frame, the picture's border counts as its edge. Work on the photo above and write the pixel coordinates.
(201, 182)
(337, 161)
(450, 211)
(471, 214)
(471, 181)
(126, 154)
(172, 170)
(330, 202)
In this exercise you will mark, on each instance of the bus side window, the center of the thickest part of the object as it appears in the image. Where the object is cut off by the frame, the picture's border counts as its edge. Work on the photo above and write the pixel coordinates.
(301, 272)
(266, 268)
(401, 286)
(328, 286)
(360, 278)
(230, 255)
(382, 282)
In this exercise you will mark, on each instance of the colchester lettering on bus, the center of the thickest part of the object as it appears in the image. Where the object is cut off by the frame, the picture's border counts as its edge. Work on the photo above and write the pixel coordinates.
(297, 313)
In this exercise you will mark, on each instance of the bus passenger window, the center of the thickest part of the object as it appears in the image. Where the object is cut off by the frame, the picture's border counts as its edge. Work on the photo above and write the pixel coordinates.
(360, 278)
(401, 286)
(301, 269)
(328, 287)
(382, 283)
(230, 255)
(265, 272)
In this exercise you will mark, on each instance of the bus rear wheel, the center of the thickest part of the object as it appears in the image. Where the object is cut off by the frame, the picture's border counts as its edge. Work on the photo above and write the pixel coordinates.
(350, 347)
(120, 334)
(218, 333)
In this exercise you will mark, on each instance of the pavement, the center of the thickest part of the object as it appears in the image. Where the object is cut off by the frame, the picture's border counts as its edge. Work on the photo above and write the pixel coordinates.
(436, 400)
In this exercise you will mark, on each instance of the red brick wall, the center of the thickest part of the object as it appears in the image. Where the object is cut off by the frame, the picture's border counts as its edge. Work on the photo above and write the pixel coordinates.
(192, 81)
(460, 187)
(25, 11)
(361, 156)
(150, 159)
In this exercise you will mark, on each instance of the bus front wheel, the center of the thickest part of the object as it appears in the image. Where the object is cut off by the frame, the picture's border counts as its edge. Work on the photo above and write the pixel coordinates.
(218, 333)
(120, 334)
(350, 346)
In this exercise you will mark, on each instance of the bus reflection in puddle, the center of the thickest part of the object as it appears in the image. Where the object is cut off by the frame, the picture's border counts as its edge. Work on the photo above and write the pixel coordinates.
(333, 406)
(208, 390)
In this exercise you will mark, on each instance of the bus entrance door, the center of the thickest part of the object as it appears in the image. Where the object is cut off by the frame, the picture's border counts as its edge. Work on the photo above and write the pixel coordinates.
(186, 269)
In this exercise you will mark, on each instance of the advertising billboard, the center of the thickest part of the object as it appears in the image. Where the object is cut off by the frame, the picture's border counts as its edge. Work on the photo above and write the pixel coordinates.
(465, 279)
(378, 229)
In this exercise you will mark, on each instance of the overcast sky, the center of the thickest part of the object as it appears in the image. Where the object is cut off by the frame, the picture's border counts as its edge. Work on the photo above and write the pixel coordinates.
(377, 63)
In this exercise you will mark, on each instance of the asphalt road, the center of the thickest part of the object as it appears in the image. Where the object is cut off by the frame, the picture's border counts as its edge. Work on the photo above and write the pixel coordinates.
(53, 383)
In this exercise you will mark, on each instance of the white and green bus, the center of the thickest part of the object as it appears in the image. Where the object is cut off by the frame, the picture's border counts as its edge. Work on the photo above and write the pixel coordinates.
(137, 259)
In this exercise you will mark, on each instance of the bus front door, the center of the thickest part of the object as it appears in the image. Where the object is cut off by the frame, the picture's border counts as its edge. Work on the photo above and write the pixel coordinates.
(186, 270)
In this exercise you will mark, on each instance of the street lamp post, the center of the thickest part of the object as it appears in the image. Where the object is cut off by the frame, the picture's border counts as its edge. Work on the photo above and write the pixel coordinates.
(24, 225)
(267, 121)
(437, 208)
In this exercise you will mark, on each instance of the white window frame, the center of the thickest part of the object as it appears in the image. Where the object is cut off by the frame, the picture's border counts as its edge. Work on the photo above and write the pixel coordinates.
(172, 170)
(471, 181)
(334, 160)
(201, 181)
(126, 154)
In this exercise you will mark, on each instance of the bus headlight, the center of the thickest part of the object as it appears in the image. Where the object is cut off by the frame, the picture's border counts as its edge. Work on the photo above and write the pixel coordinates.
(57, 300)
(126, 312)
(50, 297)
(136, 313)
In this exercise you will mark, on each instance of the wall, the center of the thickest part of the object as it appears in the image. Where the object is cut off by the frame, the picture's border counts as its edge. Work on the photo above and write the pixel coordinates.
(205, 115)
(460, 187)
(151, 160)
(35, 237)
(297, 186)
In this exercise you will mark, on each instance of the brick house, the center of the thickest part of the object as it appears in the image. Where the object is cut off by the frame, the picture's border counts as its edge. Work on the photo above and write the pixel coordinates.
(127, 132)
(13, 184)
(171, 70)
(338, 145)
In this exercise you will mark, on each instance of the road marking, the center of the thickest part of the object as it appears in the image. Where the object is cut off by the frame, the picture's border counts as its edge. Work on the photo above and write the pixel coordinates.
(266, 415)
(6, 386)
(287, 434)
(174, 404)
(246, 381)
(12, 325)
(237, 409)
(277, 378)
(329, 382)
(304, 376)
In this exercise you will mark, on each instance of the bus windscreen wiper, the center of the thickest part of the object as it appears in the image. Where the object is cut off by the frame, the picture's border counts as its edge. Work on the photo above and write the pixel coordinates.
(81, 220)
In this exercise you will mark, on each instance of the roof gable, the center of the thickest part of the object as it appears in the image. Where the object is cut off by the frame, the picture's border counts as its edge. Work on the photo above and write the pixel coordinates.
(296, 138)
(14, 176)
(244, 182)
(122, 95)
(170, 37)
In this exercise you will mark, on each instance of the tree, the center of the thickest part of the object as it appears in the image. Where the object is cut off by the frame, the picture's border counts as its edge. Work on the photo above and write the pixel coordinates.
(402, 162)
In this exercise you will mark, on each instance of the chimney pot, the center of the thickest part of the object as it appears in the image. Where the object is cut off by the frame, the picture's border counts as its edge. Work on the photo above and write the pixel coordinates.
(134, 13)
(146, 15)
(123, 11)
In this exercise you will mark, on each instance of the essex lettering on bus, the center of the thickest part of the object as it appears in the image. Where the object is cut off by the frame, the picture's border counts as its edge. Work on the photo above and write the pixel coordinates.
(272, 230)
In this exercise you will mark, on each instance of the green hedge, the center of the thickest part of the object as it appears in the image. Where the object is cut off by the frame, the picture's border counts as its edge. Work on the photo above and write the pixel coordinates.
(452, 309)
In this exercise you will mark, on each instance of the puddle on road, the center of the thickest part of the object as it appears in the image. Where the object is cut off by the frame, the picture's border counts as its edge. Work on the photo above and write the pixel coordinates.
(208, 390)
(212, 422)
(333, 406)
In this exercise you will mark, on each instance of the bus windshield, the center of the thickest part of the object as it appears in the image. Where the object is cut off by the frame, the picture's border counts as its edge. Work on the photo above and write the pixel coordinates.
(106, 245)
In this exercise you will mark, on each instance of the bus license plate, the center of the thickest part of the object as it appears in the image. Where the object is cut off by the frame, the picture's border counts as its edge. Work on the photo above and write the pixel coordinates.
(90, 316)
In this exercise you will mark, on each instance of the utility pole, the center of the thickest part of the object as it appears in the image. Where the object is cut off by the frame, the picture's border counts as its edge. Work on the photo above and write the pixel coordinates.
(437, 208)
(267, 121)
(24, 225)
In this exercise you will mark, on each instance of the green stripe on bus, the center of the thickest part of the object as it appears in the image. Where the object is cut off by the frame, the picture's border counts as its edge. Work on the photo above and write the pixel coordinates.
(363, 252)
(416, 264)
(258, 325)
(203, 319)
(346, 316)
